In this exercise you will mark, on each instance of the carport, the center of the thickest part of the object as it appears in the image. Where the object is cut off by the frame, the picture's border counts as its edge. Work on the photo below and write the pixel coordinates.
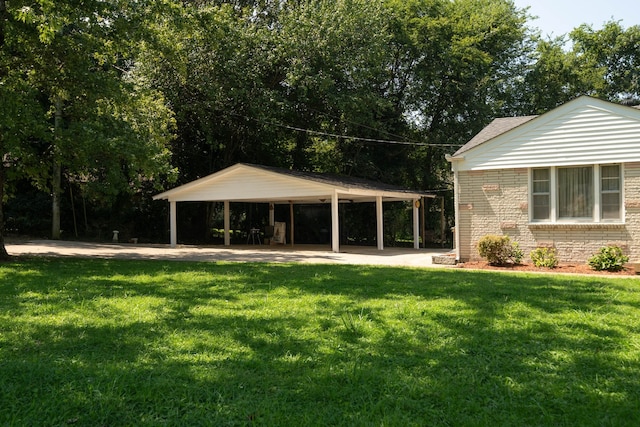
(263, 184)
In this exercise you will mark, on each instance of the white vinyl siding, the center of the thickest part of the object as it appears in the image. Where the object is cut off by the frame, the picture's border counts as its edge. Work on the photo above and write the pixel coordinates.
(576, 194)
(585, 131)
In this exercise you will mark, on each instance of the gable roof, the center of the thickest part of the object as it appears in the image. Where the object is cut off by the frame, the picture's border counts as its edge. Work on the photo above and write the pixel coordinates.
(258, 183)
(585, 130)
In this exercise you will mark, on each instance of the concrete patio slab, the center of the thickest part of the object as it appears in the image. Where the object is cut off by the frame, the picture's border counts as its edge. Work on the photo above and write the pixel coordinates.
(358, 255)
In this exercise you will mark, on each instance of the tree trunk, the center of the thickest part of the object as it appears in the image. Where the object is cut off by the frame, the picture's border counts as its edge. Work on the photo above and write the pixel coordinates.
(4, 256)
(56, 184)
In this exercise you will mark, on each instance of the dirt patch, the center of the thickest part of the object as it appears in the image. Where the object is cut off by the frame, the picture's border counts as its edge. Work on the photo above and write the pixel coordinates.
(561, 268)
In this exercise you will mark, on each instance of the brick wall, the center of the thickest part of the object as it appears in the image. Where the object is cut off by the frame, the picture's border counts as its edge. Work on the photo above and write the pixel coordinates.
(496, 202)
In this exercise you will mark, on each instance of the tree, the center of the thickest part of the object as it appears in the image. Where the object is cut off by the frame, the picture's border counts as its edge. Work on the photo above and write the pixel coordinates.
(603, 63)
(451, 62)
(609, 60)
(552, 78)
(21, 116)
(100, 123)
(246, 82)
(335, 80)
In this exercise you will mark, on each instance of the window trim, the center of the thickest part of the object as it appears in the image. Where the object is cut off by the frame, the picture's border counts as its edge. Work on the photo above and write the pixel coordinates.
(597, 213)
(549, 194)
(619, 192)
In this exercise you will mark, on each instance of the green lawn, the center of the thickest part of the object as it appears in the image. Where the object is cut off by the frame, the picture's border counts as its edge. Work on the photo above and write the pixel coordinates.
(110, 343)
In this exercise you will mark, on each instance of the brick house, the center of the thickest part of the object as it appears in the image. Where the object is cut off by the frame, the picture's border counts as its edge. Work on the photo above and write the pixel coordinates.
(568, 179)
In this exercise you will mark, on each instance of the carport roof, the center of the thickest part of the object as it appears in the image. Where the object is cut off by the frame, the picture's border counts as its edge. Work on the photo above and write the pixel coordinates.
(257, 183)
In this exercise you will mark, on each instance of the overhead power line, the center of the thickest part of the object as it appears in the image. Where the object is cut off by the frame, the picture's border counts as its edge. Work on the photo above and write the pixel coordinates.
(353, 138)
(389, 134)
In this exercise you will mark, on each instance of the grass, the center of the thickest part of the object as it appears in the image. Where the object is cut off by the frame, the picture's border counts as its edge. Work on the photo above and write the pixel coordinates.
(111, 343)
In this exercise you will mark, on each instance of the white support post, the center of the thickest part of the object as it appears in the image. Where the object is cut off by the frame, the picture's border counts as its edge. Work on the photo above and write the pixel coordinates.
(379, 223)
(416, 224)
(335, 225)
(173, 231)
(227, 224)
(272, 215)
(292, 219)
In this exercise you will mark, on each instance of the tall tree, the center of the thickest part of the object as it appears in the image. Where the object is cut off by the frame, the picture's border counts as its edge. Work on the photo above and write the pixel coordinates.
(451, 62)
(21, 115)
(215, 74)
(552, 77)
(100, 122)
(336, 55)
(247, 83)
(609, 59)
(604, 63)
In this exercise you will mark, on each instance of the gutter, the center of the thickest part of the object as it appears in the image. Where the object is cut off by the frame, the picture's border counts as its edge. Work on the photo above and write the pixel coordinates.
(449, 158)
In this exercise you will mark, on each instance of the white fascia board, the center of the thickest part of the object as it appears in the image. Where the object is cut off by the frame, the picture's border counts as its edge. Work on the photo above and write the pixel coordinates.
(395, 195)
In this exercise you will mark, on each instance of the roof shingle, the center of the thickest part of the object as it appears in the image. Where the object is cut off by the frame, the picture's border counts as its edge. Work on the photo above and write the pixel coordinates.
(496, 128)
(340, 180)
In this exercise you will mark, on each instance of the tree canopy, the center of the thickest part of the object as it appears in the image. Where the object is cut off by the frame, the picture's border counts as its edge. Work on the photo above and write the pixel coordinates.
(75, 107)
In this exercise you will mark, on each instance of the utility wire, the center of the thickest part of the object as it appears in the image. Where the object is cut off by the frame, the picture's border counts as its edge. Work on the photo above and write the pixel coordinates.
(354, 138)
(359, 124)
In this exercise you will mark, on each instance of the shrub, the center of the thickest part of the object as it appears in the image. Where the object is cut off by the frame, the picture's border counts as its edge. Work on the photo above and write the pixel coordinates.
(544, 257)
(499, 250)
(610, 258)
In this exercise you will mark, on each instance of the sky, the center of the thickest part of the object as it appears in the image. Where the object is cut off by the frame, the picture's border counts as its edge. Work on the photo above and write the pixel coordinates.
(558, 17)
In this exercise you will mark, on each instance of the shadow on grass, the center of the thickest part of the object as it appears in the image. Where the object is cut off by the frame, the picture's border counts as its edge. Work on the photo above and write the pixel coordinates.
(148, 343)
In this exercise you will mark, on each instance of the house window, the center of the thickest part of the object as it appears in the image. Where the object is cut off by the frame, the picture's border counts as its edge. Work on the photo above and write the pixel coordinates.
(610, 199)
(576, 194)
(541, 194)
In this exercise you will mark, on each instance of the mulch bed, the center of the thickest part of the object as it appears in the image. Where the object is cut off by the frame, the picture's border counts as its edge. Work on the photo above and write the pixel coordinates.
(561, 268)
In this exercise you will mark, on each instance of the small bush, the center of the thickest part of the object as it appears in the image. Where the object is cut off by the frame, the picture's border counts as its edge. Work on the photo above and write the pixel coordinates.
(544, 257)
(500, 250)
(610, 258)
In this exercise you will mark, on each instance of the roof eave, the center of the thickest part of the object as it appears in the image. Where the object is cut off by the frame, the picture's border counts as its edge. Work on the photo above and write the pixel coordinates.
(453, 158)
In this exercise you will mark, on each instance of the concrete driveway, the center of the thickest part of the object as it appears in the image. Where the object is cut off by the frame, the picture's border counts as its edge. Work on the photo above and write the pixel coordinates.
(245, 253)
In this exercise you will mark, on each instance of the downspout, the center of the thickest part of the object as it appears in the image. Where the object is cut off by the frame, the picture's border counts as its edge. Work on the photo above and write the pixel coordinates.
(416, 223)
(456, 201)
